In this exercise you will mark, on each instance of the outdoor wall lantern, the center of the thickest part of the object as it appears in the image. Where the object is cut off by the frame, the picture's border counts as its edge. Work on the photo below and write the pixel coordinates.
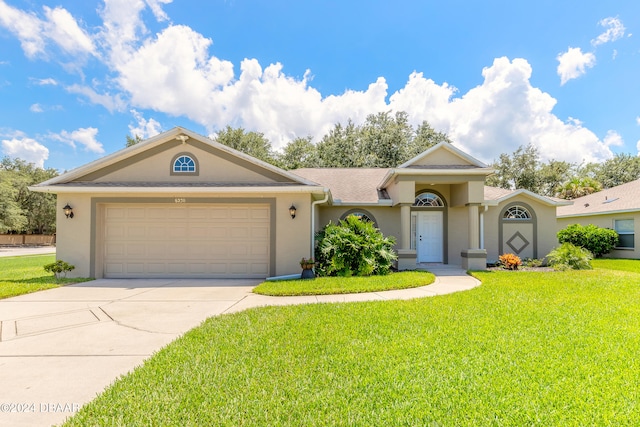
(68, 211)
(292, 211)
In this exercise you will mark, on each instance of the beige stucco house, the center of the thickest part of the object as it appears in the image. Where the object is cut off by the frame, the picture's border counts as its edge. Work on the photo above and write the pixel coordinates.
(617, 208)
(182, 205)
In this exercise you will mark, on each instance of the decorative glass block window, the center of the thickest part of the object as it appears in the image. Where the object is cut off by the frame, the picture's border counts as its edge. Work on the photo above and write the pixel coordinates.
(184, 164)
(626, 233)
(517, 213)
(428, 200)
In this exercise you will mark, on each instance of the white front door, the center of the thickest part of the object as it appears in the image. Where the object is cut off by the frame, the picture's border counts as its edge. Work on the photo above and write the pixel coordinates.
(430, 236)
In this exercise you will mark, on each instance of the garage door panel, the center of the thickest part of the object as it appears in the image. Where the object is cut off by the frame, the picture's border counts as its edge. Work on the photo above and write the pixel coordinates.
(215, 240)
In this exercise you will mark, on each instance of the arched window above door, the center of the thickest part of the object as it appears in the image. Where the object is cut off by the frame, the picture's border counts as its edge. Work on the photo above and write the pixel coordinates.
(428, 200)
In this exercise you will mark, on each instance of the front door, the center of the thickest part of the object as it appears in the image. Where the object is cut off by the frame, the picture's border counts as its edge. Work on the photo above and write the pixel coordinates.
(430, 236)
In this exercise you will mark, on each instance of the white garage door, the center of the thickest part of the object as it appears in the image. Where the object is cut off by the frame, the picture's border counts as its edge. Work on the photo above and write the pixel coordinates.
(212, 240)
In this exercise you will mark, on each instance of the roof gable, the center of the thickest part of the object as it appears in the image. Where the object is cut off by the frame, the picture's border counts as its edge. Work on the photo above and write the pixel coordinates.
(443, 155)
(150, 161)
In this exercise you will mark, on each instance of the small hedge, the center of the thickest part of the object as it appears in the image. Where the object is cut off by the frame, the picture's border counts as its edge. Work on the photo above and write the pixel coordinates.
(597, 240)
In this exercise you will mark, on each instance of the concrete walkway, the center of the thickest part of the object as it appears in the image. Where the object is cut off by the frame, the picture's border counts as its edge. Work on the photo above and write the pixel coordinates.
(6, 251)
(61, 347)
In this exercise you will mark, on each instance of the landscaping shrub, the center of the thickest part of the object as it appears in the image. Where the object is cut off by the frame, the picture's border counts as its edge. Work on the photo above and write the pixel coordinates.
(59, 268)
(510, 261)
(571, 256)
(597, 240)
(353, 248)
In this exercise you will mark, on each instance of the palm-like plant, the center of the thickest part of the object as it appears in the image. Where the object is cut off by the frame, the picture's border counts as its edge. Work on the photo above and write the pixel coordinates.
(578, 187)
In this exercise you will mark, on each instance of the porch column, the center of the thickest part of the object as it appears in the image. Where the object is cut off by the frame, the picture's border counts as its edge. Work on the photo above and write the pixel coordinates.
(474, 226)
(474, 258)
(406, 255)
(405, 226)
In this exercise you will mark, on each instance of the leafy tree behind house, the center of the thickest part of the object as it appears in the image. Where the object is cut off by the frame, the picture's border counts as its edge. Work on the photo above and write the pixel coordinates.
(252, 143)
(22, 210)
(620, 169)
(133, 140)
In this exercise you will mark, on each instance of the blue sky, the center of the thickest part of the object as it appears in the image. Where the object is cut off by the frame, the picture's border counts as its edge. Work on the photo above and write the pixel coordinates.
(77, 77)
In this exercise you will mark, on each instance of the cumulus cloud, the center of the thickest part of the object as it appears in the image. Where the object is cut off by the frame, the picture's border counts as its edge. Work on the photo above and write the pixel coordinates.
(83, 136)
(36, 108)
(144, 128)
(573, 63)
(34, 33)
(614, 31)
(108, 101)
(27, 149)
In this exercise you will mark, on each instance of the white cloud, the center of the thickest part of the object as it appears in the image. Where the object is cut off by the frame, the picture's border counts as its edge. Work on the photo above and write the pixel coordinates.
(83, 136)
(638, 120)
(573, 63)
(144, 128)
(108, 101)
(34, 33)
(64, 30)
(26, 149)
(36, 108)
(614, 31)
(613, 139)
(45, 82)
(26, 26)
(498, 116)
(156, 8)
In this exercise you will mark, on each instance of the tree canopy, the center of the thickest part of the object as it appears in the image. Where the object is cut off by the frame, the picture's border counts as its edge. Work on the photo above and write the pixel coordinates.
(21, 210)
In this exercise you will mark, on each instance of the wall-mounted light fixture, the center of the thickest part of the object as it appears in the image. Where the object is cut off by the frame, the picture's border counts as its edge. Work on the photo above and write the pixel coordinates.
(68, 211)
(292, 211)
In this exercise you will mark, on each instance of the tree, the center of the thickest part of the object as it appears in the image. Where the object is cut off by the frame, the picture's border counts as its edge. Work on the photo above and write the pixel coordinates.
(340, 148)
(424, 138)
(578, 187)
(133, 140)
(251, 143)
(518, 170)
(24, 210)
(622, 168)
(299, 153)
(385, 139)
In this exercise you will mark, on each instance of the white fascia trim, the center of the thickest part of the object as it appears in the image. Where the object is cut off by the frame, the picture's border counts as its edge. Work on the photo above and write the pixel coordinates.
(183, 190)
(622, 211)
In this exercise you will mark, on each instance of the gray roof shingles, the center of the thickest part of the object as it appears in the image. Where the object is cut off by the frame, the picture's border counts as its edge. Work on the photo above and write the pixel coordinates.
(625, 197)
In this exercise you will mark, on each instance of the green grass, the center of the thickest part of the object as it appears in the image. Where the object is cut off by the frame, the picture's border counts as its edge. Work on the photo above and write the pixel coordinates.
(25, 274)
(534, 349)
(632, 265)
(346, 285)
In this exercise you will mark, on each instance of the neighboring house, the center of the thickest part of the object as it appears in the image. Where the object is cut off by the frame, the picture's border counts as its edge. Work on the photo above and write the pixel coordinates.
(182, 205)
(617, 208)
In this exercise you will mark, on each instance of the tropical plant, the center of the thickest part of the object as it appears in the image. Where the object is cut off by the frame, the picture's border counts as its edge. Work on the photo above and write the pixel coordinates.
(578, 187)
(353, 248)
(59, 268)
(570, 256)
(510, 261)
(597, 240)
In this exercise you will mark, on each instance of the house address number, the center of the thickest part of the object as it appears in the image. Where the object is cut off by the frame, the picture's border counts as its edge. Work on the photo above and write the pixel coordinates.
(180, 200)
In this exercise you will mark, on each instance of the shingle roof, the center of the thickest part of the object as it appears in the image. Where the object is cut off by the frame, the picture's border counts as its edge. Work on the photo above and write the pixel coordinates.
(625, 197)
(348, 184)
(495, 193)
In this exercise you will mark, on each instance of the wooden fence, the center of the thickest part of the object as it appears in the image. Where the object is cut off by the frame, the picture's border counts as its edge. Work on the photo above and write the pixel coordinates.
(28, 239)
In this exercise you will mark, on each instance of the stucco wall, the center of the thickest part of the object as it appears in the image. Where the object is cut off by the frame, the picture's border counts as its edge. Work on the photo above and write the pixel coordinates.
(547, 227)
(607, 221)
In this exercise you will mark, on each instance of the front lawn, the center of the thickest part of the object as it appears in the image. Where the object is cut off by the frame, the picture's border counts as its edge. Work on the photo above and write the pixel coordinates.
(346, 285)
(632, 265)
(25, 274)
(535, 349)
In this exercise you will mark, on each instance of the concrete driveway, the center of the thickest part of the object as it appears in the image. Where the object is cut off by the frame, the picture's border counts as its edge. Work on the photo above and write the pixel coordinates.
(61, 347)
